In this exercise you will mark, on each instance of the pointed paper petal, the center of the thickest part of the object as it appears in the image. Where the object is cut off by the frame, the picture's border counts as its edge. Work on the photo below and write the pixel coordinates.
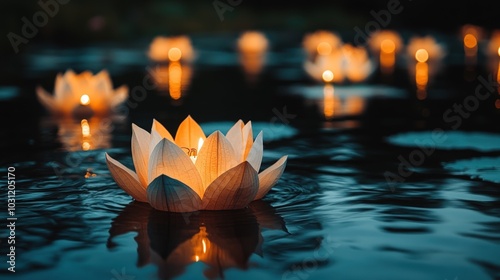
(167, 158)
(269, 177)
(167, 194)
(126, 179)
(120, 95)
(215, 157)
(46, 99)
(247, 139)
(256, 152)
(234, 189)
(189, 133)
(140, 153)
(235, 137)
(162, 131)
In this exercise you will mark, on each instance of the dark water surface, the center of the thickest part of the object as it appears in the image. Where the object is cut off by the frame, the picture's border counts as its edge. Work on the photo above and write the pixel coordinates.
(331, 216)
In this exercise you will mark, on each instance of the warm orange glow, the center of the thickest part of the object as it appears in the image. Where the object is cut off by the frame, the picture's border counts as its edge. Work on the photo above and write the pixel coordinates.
(175, 80)
(498, 51)
(328, 101)
(193, 154)
(197, 258)
(174, 54)
(85, 128)
(387, 46)
(204, 245)
(421, 79)
(357, 64)
(498, 73)
(421, 55)
(470, 41)
(324, 48)
(327, 76)
(387, 61)
(86, 146)
(85, 99)
(497, 103)
(252, 42)
(354, 105)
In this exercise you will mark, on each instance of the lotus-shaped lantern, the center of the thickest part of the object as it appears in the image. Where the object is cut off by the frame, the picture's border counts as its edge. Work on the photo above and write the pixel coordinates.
(83, 93)
(193, 172)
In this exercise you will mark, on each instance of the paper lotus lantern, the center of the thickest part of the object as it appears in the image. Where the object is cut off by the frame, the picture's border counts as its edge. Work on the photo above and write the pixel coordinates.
(386, 44)
(333, 62)
(192, 172)
(252, 47)
(171, 49)
(85, 92)
(357, 66)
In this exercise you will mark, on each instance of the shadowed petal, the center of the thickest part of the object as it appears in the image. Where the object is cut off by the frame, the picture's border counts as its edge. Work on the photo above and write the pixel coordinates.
(162, 131)
(46, 99)
(167, 194)
(235, 137)
(255, 155)
(126, 179)
(269, 177)
(140, 153)
(189, 133)
(167, 158)
(234, 189)
(215, 157)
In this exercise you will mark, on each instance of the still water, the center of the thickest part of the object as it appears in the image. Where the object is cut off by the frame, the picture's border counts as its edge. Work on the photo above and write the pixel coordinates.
(332, 214)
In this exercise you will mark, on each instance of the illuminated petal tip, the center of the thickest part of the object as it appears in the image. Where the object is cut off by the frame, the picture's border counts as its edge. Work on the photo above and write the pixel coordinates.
(269, 177)
(126, 179)
(140, 152)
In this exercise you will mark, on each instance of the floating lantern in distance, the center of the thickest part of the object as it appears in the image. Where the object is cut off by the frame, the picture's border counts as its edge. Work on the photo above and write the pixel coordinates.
(83, 95)
(421, 73)
(421, 55)
(174, 49)
(471, 35)
(327, 76)
(321, 43)
(386, 44)
(252, 48)
(222, 176)
(357, 66)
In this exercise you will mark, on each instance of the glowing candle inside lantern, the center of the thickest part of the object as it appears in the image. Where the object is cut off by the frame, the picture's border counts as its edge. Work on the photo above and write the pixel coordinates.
(85, 100)
(470, 45)
(197, 258)
(324, 48)
(193, 153)
(387, 56)
(175, 80)
(174, 54)
(328, 95)
(421, 73)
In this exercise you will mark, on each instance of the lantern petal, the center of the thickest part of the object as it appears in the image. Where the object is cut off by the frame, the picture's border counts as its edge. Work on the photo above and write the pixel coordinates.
(126, 179)
(189, 133)
(168, 194)
(234, 189)
(247, 140)
(255, 154)
(235, 137)
(120, 95)
(215, 157)
(140, 152)
(46, 99)
(168, 159)
(162, 131)
(269, 177)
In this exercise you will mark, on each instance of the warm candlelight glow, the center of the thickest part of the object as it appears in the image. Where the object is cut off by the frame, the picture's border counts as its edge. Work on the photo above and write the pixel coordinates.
(324, 48)
(327, 76)
(357, 64)
(193, 153)
(85, 99)
(174, 54)
(175, 80)
(252, 48)
(204, 245)
(197, 258)
(421, 55)
(387, 46)
(86, 146)
(85, 128)
(470, 41)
